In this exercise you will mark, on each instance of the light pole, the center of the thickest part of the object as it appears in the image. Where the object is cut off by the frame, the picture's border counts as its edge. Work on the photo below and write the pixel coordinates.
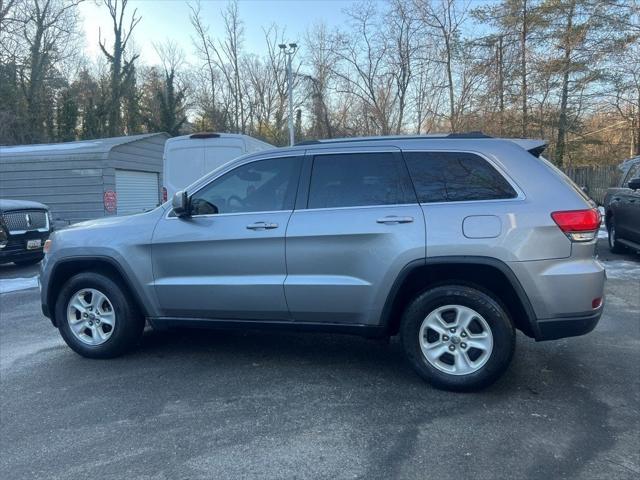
(289, 51)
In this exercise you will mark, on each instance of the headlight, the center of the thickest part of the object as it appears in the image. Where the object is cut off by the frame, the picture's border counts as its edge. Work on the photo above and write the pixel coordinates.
(4, 238)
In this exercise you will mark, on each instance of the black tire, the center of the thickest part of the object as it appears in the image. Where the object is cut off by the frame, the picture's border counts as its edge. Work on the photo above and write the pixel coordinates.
(612, 239)
(128, 326)
(31, 261)
(495, 317)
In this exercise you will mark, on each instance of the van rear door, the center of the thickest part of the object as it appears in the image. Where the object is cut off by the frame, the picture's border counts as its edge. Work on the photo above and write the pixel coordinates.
(219, 151)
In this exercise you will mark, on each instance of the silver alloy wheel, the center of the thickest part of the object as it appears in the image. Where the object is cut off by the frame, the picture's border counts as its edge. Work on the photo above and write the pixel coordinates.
(456, 339)
(91, 316)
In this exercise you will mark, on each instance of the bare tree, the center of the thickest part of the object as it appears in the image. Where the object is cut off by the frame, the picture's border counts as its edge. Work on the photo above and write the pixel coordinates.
(362, 68)
(121, 66)
(47, 30)
(321, 62)
(445, 19)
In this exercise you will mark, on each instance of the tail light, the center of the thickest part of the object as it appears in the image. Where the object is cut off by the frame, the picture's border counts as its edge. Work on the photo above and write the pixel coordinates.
(578, 225)
(47, 246)
(164, 194)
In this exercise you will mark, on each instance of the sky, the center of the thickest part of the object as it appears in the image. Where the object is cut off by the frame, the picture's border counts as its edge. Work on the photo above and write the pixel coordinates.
(169, 19)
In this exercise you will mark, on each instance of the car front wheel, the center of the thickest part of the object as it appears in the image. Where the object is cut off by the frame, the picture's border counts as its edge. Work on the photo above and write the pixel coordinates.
(96, 318)
(457, 337)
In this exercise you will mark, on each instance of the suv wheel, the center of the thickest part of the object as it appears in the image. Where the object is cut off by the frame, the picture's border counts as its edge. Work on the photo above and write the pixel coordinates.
(614, 245)
(457, 337)
(96, 318)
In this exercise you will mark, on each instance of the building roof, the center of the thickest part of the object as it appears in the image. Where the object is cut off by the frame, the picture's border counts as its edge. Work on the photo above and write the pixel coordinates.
(97, 146)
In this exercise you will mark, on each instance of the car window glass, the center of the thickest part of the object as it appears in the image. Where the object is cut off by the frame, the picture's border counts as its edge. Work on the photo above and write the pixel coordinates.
(264, 185)
(634, 172)
(455, 176)
(359, 179)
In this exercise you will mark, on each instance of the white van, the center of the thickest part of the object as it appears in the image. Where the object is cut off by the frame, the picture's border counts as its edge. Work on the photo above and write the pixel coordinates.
(189, 157)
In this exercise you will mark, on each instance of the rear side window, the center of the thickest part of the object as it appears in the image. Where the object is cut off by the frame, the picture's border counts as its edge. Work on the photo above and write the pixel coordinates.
(359, 179)
(455, 176)
(634, 172)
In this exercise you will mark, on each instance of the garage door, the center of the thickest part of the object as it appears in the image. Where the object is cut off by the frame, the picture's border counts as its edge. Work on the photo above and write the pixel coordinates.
(136, 191)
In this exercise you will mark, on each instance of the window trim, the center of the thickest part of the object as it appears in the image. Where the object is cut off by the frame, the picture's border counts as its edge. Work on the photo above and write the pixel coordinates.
(311, 154)
(519, 193)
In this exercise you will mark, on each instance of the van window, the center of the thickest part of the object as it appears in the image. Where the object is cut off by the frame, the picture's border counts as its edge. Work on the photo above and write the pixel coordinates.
(455, 176)
(359, 179)
(264, 185)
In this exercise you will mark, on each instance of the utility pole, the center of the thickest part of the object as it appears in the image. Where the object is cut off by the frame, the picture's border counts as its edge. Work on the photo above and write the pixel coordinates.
(289, 51)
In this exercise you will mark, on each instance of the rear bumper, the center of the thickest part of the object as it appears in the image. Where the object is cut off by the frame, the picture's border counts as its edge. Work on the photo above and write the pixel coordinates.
(562, 327)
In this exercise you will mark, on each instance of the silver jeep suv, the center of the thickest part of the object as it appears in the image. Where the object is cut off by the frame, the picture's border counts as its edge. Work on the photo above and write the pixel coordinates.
(453, 242)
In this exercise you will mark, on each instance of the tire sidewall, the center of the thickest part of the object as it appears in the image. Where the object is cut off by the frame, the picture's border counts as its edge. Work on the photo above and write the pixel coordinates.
(126, 325)
(493, 313)
(614, 246)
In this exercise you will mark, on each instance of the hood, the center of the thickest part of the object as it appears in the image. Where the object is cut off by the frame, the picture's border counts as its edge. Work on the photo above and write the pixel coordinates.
(8, 205)
(107, 222)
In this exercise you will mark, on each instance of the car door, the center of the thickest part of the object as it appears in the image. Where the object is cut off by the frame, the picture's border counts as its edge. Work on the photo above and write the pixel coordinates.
(632, 217)
(622, 203)
(227, 259)
(359, 225)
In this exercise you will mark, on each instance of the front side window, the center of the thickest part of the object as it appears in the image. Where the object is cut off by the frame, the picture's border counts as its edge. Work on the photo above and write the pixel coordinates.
(261, 186)
(455, 176)
(359, 179)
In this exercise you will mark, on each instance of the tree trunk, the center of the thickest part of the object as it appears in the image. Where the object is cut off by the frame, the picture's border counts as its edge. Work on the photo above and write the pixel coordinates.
(115, 128)
(500, 54)
(523, 69)
(564, 96)
(452, 107)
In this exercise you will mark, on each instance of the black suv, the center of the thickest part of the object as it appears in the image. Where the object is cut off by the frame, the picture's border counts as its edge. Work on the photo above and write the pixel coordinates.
(24, 227)
(622, 207)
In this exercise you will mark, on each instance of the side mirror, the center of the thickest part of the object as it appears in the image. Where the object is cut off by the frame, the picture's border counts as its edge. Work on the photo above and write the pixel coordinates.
(634, 184)
(180, 204)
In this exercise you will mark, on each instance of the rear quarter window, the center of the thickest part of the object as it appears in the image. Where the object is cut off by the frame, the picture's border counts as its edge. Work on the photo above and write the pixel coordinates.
(455, 177)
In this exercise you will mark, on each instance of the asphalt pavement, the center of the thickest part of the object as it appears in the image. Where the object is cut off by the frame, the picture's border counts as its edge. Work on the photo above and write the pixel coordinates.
(203, 405)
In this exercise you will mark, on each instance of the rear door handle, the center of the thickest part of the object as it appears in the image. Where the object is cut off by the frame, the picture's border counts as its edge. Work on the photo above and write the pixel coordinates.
(394, 219)
(262, 226)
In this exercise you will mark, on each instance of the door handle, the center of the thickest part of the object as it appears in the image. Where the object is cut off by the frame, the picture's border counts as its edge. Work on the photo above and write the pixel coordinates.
(394, 219)
(262, 226)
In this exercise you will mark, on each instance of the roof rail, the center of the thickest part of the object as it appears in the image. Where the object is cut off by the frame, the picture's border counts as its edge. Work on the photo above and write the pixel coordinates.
(396, 137)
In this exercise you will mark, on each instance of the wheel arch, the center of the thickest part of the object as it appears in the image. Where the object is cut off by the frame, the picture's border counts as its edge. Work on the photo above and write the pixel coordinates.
(67, 268)
(487, 274)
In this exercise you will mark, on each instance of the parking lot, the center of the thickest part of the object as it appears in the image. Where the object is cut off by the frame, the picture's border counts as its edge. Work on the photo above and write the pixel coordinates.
(193, 404)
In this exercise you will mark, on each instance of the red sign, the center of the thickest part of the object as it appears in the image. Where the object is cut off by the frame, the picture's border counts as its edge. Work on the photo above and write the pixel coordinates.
(110, 201)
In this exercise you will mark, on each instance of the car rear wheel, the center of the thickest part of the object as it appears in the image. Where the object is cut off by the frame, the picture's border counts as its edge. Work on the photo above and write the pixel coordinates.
(457, 337)
(614, 245)
(96, 318)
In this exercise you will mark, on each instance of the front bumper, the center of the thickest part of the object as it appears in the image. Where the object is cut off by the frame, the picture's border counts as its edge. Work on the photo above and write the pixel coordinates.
(16, 248)
(562, 327)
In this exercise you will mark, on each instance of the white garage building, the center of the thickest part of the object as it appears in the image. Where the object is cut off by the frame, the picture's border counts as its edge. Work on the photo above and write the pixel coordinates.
(86, 179)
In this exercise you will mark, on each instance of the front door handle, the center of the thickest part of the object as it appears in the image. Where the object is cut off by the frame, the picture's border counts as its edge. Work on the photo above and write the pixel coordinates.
(394, 219)
(262, 226)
